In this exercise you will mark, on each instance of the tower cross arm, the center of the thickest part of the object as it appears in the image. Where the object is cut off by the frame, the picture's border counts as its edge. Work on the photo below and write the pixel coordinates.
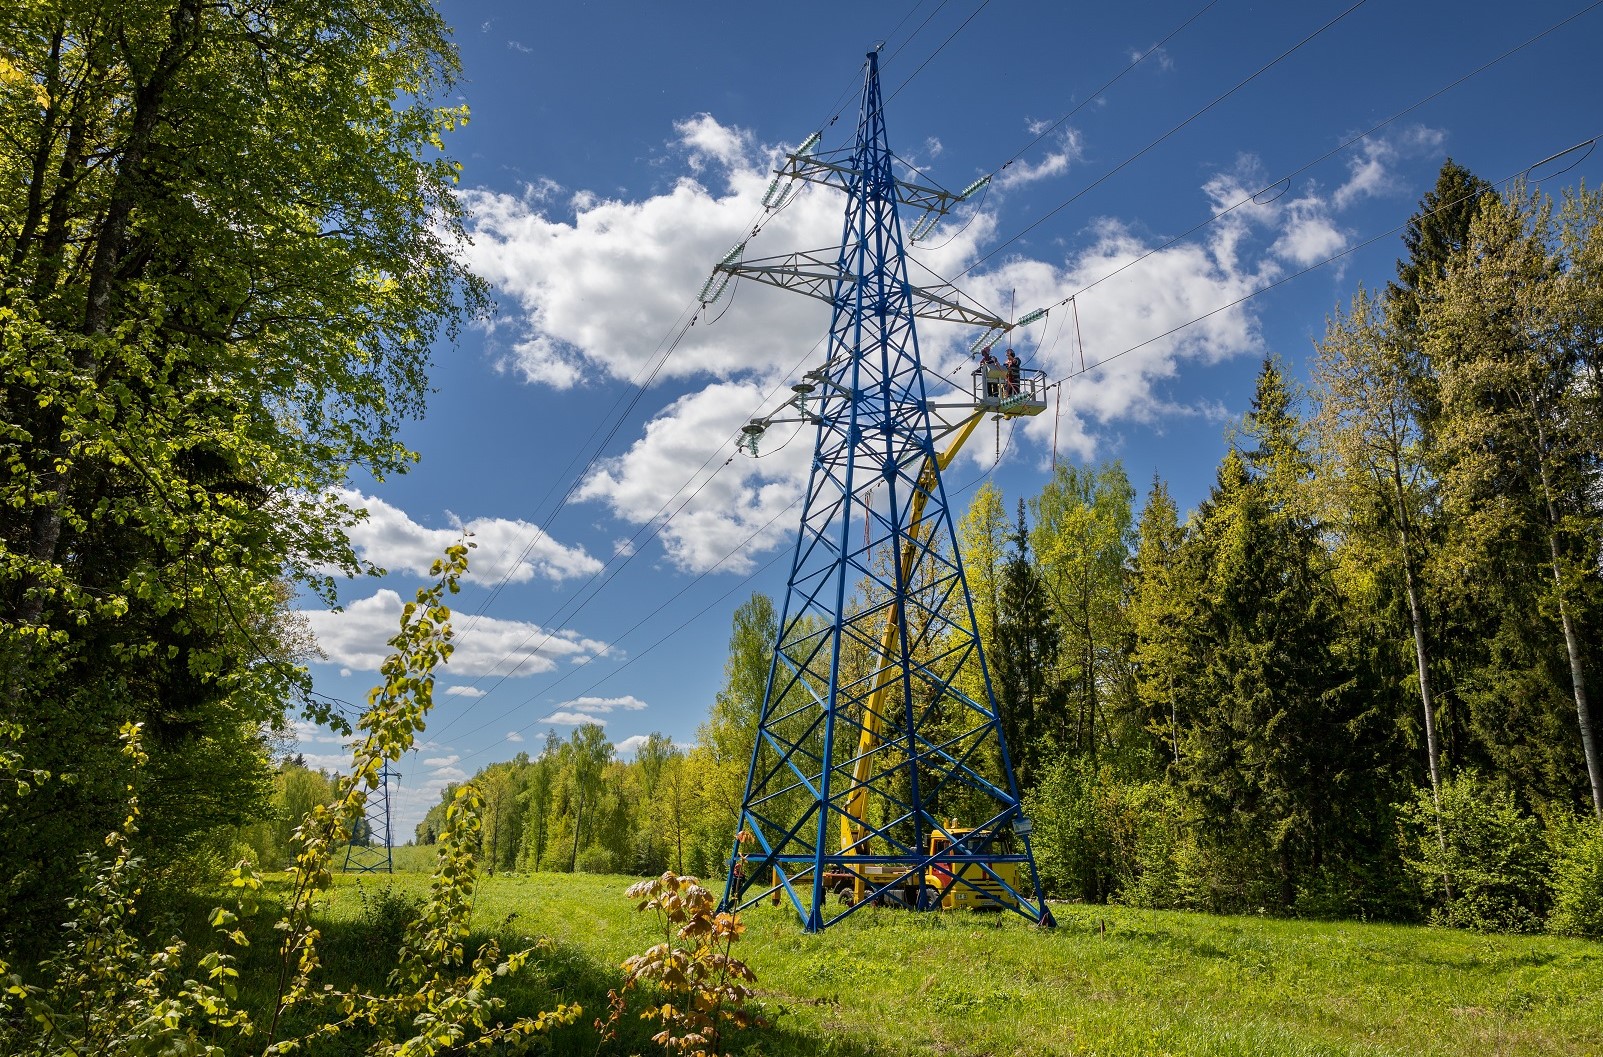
(839, 175)
(817, 273)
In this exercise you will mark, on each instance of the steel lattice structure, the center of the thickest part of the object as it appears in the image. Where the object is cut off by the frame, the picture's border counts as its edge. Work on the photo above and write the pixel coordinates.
(369, 850)
(867, 753)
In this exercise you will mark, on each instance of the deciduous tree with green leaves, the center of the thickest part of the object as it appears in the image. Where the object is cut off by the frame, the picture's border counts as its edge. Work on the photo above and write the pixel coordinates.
(1518, 483)
(231, 243)
(1369, 434)
(1163, 615)
(1082, 535)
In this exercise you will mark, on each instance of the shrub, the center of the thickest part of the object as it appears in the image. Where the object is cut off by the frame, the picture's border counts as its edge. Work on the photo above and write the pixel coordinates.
(596, 859)
(386, 914)
(701, 985)
(1486, 867)
(1217, 876)
(1104, 839)
(1577, 879)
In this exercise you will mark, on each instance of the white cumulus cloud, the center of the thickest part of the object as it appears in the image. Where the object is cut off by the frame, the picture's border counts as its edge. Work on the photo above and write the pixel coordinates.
(505, 549)
(574, 719)
(628, 703)
(600, 283)
(627, 746)
(1371, 168)
(1068, 149)
(358, 638)
(722, 507)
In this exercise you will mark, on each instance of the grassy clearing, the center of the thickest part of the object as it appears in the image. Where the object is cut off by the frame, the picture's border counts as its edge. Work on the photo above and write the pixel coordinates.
(1108, 981)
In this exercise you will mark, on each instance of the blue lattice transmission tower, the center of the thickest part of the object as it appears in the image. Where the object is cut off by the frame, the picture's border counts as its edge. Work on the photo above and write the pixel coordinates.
(369, 850)
(875, 778)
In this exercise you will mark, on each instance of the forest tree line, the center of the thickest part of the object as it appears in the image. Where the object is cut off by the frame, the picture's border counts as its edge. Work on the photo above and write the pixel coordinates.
(1357, 680)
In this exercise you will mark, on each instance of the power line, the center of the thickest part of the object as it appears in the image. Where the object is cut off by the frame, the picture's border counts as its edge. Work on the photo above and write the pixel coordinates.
(952, 36)
(673, 598)
(1328, 154)
(1258, 196)
(1586, 145)
(653, 528)
(743, 581)
(1241, 84)
(1094, 96)
(755, 226)
(1055, 210)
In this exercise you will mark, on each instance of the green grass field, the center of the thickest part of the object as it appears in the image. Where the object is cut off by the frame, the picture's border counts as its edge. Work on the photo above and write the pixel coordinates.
(1108, 981)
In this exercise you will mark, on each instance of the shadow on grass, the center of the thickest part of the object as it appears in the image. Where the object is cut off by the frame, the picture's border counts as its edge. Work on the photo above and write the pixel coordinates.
(358, 954)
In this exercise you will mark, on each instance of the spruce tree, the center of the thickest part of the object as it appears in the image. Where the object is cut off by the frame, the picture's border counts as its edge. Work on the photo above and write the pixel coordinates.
(1281, 757)
(1437, 232)
(1160, 621)
(1024, 662)
(1518, 485)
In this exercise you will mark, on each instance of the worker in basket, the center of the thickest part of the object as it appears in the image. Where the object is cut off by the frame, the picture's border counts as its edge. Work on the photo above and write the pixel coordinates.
(991, 372)
(1013, 367)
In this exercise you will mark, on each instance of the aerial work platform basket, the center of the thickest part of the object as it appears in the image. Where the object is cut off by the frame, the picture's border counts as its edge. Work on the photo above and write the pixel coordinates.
(993, 392)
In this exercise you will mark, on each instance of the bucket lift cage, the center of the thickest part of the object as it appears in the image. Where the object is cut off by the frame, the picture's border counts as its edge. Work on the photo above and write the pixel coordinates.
(864, 728)
(992, 392)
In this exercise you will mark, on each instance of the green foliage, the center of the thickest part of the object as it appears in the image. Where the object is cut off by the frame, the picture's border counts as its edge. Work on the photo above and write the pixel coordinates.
(1024, 659)
(1492, 854)
(696, 986)
(387, 913)
(1161, 617)
(1374, 492)
(1517, 471)
(296, 790)
(1221, 714)
(108, 994)
(228, 242)
(1083, 535)
(596, 859)
(1577, 879)
(1436, 233)
(1280, 753)
(1105, 840)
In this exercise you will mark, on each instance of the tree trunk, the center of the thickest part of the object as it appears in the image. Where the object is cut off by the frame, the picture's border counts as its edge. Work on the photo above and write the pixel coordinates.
(1572, 645)
(1422, 666)
(578, 819)
(1416, 618)
(60, 469)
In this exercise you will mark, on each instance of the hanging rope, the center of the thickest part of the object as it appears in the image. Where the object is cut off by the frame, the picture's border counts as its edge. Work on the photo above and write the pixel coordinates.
(1057, 416)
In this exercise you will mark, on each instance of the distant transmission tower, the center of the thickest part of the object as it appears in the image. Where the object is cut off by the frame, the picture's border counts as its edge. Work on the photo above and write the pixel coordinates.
(875, 779)
(369, 850)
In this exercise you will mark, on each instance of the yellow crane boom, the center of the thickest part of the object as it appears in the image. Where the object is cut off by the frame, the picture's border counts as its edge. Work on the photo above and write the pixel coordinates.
(851, 824)
(993, 392)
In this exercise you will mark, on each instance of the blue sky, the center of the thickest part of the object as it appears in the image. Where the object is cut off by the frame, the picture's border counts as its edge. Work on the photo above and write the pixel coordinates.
(618, 150)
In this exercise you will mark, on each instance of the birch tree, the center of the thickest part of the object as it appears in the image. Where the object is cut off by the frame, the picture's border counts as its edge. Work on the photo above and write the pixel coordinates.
(1518, 483)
